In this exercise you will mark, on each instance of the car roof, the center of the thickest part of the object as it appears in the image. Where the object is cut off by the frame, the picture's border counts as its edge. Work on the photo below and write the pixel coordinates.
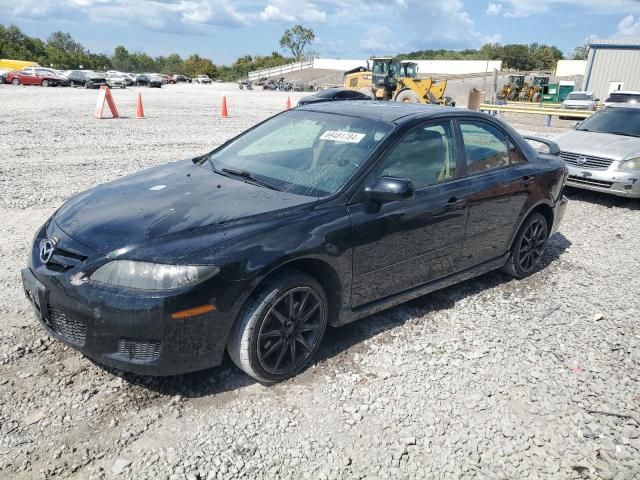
(625, 92)
(623, 106)
(581, 92)
(382, 111)
(329, 92)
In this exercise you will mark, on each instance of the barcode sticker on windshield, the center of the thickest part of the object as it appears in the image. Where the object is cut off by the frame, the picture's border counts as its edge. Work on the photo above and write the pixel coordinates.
(336, 136)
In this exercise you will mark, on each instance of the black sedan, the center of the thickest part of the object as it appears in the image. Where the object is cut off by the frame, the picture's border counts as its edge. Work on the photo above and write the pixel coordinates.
(86, 78)
(333, 95)
(181, 79)
(318, 216)
(149, 80)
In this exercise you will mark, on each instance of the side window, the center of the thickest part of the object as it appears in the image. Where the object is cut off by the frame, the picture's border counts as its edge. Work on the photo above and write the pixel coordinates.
(425, 156)
(485, 147)
(353, 82)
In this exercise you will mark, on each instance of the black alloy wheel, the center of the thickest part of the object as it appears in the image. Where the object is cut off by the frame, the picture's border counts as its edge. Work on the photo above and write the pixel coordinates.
(532, 245)
(291, 329)
(528, 247)
(281, 327)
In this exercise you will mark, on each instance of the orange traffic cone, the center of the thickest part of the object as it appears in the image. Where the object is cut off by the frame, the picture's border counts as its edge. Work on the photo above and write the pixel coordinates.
(288, 104)
(223, 112)
(139, 109)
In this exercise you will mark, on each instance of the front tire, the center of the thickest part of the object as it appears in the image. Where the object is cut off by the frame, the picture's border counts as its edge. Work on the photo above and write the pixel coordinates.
(528, 247)
(15, 81)
(45, 83)
(407, 96)
(280, 329)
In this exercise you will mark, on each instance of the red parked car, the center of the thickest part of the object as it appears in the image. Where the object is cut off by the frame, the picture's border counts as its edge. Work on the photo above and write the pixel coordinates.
(29, 78)
(167, 78)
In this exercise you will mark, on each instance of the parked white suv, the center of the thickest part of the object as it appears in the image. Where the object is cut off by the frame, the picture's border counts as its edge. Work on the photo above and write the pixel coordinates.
(202, 79)
(116, 80)
(620, 96)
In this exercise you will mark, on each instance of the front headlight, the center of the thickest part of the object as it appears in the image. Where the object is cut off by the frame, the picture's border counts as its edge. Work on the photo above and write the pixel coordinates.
(633, 164)
(151, 276)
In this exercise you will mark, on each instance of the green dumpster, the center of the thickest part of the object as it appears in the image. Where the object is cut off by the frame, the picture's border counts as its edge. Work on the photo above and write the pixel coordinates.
(556, 92)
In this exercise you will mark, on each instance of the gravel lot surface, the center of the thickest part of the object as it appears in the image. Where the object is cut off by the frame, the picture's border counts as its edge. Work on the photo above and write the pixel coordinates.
(493, 378)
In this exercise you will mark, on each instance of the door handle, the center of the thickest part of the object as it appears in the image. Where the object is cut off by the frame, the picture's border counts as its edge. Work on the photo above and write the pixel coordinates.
(455, 204)
(526, 181)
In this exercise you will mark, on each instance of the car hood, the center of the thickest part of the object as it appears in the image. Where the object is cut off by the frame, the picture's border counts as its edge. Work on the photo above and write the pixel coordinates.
(606, 145)
(170, 204)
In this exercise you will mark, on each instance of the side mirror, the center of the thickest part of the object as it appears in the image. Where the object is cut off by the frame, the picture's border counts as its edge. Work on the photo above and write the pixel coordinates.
(390, 189)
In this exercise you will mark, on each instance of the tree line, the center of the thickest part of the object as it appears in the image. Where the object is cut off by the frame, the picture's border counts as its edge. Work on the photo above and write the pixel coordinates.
(62, 52)
(535, 56)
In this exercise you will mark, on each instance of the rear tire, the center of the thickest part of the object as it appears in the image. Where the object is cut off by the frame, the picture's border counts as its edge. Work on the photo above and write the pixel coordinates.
(45, 83)
(528, 247)
(407, 96)
(280, 329)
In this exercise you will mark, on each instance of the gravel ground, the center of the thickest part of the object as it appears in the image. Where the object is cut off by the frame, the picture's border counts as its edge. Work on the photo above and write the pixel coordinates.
(493, 378)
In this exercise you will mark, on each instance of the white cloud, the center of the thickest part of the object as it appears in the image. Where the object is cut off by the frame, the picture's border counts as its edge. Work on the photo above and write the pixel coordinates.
(380, 40)
(154, 14)
(527, 8)
(629, 26)
(292, 11)
(494, 8)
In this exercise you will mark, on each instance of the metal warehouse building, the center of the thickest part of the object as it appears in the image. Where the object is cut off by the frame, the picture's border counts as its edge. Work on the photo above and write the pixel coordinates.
(612, 65)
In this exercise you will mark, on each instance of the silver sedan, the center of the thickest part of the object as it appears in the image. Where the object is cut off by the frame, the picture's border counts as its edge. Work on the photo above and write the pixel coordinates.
(603, 152)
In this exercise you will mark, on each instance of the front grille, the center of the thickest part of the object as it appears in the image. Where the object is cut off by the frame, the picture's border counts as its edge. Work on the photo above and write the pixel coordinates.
(68, 327)
(589, 181)
(140, 350)
(586, 161)
(63, 260)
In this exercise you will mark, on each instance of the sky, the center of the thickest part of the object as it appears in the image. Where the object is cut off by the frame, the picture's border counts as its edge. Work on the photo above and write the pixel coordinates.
(226, 29)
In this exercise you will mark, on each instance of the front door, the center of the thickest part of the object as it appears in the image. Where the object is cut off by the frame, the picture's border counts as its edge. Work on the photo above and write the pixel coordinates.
(402, 244)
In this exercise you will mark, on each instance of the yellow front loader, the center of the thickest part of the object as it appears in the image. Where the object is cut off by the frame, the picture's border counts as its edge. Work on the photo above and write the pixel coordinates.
(390, 79)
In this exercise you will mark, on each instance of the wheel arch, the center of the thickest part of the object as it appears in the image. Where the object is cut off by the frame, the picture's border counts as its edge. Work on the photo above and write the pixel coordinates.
(542, 207)
(323, 272)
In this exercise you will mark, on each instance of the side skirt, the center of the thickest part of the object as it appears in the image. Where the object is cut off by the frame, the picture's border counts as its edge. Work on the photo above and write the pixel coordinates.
(419, 291)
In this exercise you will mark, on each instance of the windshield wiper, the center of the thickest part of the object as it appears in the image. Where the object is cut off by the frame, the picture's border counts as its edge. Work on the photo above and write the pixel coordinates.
(250, 177)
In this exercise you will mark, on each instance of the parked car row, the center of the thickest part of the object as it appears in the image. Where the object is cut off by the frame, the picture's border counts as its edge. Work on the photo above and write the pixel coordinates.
(49, 77)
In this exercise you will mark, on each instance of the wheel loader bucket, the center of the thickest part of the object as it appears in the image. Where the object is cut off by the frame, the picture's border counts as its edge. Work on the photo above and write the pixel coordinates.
(420, 86)
(438, 89)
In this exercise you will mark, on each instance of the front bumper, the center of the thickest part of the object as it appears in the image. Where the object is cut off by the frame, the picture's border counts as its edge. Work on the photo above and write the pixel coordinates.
(128, 329)
(615, 182)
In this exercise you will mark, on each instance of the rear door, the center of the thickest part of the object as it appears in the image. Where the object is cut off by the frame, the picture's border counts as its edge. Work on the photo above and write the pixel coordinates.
(29, 78)
(500, 182)
(402, 244)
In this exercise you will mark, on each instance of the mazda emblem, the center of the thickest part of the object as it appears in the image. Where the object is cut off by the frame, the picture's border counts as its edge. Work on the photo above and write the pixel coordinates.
(46, 249)
(581, 160)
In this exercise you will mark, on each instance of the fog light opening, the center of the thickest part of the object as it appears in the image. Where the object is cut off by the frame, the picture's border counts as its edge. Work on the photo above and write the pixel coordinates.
(193, 312)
